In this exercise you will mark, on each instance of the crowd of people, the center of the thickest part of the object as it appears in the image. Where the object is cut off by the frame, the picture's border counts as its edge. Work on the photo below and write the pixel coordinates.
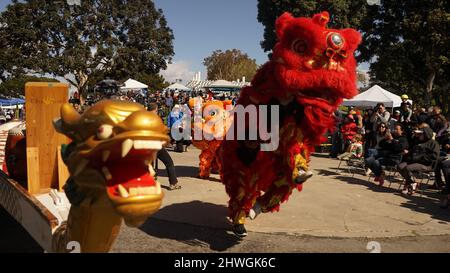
(410, 140)
(169, 105)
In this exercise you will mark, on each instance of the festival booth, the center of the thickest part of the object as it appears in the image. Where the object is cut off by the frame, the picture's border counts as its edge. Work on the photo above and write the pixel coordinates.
(133, 85)
(12, 103)
(223, 86)
(372, 97)
(177, 87)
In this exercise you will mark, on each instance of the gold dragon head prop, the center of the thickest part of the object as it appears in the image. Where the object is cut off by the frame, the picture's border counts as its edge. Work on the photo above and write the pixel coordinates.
(114, 143)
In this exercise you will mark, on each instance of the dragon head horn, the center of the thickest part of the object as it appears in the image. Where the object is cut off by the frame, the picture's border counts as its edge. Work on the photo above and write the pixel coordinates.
(69, 119)
(69, 115)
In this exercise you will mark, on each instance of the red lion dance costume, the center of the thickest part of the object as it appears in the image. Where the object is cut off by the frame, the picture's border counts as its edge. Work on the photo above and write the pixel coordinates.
(311, 71)
(214, 123)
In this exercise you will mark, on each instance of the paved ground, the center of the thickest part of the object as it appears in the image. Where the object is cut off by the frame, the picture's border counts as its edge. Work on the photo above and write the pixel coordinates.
(334, 213)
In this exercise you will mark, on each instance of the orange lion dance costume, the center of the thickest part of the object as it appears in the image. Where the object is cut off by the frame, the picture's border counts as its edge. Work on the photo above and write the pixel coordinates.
(312, 70)
(214, 123)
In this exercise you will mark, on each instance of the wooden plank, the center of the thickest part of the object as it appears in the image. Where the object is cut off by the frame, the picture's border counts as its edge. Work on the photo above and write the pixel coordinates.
(63, 172)
(37, 220)
(33, 170)
(43, 103)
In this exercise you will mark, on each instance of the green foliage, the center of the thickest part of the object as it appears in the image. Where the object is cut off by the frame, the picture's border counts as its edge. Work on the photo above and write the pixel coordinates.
(119, 39)
(411, 44)
(14, 87)
(405, 41)
(344, 14)
(230, 65)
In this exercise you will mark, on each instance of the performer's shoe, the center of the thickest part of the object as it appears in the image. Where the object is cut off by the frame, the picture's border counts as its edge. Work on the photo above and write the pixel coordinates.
(174, 187)
(255, 211)
(303, 176)
(239, 230)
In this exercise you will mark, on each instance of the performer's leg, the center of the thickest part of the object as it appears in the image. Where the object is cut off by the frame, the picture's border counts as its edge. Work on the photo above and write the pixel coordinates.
(276, 194)
(206, 157)
(215, 165)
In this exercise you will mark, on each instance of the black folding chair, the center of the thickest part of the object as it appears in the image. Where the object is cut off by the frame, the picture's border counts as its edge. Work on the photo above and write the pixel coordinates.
(421, 176)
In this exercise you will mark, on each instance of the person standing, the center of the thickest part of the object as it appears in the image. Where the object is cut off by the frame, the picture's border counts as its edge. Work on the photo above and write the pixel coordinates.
(380, 115)
(165, 157)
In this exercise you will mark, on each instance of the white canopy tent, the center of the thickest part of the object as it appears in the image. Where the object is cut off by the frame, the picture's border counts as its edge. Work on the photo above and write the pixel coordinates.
(131, 84)
(222, 83)
(177, 87)
(372, 97)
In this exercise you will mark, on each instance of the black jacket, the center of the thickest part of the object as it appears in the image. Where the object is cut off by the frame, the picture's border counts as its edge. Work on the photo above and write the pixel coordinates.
(393, 149)
(427, 152)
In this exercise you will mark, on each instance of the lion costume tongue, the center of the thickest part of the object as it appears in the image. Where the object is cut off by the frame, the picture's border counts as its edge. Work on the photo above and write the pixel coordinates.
(130, 174)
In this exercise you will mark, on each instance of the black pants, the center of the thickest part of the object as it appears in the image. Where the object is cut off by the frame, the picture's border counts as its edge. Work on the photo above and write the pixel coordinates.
(166, 159)
(406, 170)
(443, 166)
(375, 164)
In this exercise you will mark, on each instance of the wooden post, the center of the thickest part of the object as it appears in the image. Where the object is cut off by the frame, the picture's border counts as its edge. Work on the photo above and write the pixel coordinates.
(43, 103)
(63, 172)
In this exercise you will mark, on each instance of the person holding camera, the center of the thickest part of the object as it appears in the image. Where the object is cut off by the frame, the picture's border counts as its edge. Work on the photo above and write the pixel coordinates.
(380, 115)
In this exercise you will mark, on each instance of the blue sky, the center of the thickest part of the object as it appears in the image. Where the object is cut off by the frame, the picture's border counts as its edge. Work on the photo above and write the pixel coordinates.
(202, 26)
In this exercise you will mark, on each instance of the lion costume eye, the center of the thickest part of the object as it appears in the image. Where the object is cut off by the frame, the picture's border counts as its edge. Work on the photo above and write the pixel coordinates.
(104, 132)
(299, 46)
(335, 40)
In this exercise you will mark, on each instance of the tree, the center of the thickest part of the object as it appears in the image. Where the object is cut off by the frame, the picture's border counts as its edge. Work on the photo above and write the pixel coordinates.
(154, 81)
(407, 43)
(15, 87)
(343, 14)
(109, 38)
(230, 65)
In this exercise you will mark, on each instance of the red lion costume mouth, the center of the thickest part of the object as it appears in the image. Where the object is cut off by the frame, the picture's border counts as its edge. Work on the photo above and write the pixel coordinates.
(312, 70)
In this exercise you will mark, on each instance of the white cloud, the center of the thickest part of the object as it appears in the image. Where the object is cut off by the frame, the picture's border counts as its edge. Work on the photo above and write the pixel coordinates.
(178, 70)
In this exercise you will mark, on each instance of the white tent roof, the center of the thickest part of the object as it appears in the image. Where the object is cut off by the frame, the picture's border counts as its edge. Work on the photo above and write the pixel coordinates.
(223, 84)
(177, 86)
(131, 84)
(372, 96)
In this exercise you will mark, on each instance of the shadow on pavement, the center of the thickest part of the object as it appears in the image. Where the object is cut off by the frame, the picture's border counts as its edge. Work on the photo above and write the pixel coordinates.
(186, 171)
(428, 203)
(207, 225)
(321, 155)
(14, 238)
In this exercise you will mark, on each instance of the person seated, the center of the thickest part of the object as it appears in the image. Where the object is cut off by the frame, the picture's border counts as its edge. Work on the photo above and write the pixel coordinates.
(420, 159)
(444, 156)
(392, 147)
(355, 150)
(446, 170)
(378, 136)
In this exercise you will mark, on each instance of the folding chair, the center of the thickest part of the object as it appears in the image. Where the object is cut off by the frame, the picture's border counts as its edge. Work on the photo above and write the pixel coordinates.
(355, 163)
(422, 175)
